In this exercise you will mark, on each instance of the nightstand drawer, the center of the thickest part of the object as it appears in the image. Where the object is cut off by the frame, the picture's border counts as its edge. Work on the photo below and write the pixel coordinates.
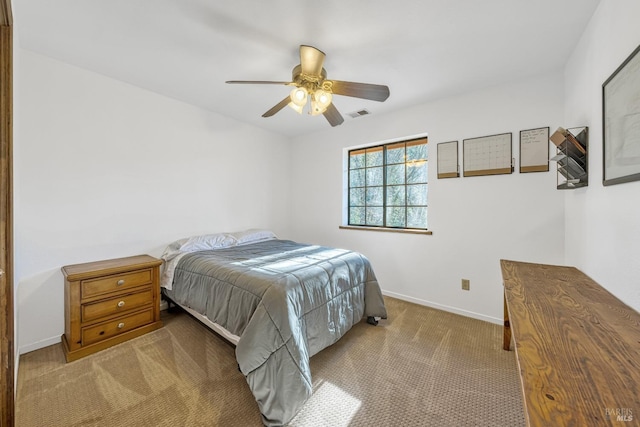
(116, 305)
(114, 327)
(116, 282)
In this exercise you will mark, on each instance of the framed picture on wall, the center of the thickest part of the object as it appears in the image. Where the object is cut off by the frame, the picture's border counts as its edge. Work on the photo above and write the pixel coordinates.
(448, 160)
(534, 150)
(487, 155)
(621, 123)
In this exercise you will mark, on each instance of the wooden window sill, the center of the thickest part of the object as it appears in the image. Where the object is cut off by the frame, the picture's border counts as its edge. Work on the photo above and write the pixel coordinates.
(386, 229)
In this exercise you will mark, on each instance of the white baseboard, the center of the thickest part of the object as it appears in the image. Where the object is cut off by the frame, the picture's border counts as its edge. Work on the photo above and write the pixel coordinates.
(55, 340)
(443, 307)
(163, 306)
(40, 344)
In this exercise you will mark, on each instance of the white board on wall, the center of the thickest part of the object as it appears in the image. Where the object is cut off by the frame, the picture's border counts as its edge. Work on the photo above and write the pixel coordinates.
(487, 155)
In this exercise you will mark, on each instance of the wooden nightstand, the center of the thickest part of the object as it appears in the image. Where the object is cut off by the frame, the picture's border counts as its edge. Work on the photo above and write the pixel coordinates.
(109, 302)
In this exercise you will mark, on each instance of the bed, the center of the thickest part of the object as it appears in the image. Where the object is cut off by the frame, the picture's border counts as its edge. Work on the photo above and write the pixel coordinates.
(279, 301)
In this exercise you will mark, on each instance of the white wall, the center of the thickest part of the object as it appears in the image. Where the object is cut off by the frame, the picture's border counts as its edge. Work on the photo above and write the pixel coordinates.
(603, 223)
(16, 150)
(104, 170)
(476, 221)
(100, 170)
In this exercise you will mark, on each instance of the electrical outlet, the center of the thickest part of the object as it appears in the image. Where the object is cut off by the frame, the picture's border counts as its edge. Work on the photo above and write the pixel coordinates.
(466, 284)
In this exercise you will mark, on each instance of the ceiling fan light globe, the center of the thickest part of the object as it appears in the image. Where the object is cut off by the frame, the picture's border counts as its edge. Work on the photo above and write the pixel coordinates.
(297, 108)
(299, 96)
(317, 108)
(322, 98)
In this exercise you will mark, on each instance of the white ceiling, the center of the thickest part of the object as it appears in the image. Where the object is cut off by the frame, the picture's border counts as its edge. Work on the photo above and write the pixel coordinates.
(422, 49)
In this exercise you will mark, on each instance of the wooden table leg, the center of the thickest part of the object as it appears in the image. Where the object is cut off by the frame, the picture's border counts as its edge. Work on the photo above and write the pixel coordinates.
(506, 338)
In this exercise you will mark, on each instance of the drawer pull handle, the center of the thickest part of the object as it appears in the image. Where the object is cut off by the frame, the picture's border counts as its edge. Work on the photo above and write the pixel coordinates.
(121, 304)
(120, 325)
(120, 282)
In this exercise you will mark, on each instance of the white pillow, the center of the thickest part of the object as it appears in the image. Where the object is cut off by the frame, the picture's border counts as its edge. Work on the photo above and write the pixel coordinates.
(253, 235)
(173, 247)
(206, 242)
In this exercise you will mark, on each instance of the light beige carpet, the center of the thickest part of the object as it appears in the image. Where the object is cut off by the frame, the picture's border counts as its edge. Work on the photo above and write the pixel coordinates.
(422, 367)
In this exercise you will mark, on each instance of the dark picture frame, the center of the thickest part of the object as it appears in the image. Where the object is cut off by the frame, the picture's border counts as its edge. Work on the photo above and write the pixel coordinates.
(487, 155)
(621, 123)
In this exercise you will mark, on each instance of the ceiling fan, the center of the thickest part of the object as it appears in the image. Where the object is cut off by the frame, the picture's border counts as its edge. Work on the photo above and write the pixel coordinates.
(310, 82)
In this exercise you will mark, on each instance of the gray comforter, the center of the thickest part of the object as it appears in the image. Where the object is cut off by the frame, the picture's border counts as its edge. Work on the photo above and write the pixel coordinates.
(286, 301)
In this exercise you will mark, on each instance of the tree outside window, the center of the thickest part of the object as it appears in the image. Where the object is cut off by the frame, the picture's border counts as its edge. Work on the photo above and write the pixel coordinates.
(388, 185)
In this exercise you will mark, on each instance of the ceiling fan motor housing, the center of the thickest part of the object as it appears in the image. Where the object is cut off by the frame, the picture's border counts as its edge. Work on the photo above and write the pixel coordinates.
(309, 81)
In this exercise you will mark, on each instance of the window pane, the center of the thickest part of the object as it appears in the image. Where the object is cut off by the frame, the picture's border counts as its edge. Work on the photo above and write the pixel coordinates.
(374, 176)
(374, 216)
(396, 195)
(388, 185)
(356, 197)
(417, 194)
(395, 153)
(356, 216)
(396, 217)
(374, 157)
(356, 178)
(416, 152)
(395, 174)
(417, 172)
(417, 217)
(374, 196)
(356, 159)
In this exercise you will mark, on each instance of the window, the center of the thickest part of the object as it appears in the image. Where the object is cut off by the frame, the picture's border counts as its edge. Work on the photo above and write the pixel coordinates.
(388, 185)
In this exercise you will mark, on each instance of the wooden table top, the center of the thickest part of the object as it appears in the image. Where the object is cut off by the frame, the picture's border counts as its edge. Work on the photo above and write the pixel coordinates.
(577, 346)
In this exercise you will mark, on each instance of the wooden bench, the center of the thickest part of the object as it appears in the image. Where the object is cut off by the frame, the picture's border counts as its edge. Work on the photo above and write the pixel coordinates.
(577, 347)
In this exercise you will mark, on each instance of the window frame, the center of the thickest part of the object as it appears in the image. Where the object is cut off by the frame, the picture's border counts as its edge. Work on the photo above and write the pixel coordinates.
(384, 146)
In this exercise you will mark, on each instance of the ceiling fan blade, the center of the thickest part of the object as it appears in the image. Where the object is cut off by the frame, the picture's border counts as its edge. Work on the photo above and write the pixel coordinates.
(256, 82)
(279, 106)
(360, 90)
(333, 115)
(311, 60)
